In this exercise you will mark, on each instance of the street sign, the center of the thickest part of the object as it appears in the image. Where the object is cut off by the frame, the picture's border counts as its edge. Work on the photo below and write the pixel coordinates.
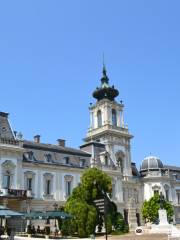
(100, 204)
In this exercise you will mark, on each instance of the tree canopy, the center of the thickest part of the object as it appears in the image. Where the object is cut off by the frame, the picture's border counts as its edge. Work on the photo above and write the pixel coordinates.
(94, 185)
(150, 209)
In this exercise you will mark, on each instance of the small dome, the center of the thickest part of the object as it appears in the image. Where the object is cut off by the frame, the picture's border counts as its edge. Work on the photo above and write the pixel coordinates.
(151, 163)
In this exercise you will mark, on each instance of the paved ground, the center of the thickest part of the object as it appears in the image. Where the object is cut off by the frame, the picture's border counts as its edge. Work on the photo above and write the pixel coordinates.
(132, 236)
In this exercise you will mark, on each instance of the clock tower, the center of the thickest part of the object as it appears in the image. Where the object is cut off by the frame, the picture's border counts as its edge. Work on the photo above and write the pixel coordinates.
(107, 127)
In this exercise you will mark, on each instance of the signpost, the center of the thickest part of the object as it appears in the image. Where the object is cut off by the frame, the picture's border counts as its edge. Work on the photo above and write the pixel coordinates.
(101, 206)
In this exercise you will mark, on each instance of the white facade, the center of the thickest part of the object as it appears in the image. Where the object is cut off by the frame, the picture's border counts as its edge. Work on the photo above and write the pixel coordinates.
(34, 175)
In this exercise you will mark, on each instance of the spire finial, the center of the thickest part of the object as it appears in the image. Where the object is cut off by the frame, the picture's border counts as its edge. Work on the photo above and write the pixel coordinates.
(104, 67)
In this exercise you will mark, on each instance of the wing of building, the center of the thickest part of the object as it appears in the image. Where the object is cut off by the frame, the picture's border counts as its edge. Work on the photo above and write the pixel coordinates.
(35, 176)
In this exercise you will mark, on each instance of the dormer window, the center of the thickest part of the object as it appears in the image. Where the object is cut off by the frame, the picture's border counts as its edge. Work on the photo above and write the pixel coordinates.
(82, 162)
(66, 160)
(48, 157)
(29, 155)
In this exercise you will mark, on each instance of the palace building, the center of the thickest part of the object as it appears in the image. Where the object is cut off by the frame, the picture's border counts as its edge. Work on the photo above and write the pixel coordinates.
(35, 176)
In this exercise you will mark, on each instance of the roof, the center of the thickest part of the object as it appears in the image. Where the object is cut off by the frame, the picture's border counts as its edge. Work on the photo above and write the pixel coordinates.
(151, 162)
(172, 167)
(134, 169)
(47, 215)
(54, 148)
(94, 143)
(5, 128)
(105, 90)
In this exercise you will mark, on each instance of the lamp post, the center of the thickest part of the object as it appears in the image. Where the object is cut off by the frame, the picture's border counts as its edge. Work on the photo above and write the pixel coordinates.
(55, 205)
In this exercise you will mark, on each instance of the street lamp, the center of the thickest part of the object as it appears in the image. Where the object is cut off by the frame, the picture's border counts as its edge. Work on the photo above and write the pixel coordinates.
(55, 205)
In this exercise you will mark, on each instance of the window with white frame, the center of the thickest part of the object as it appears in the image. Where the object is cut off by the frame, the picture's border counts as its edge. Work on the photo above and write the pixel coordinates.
(106, 160)
(68, 185)
(178, 197)
(82, 162)
(114, 117)
(29, 183)
(166, 189)
(7, 180)
(99, 118)
(7, 168)
(68, 188)
(156, 189)
(48, 157)
(124, 194)
(66, 160)
(48, 187)
(29, 179)
(113, 189)
(48, 183)
(120, 160)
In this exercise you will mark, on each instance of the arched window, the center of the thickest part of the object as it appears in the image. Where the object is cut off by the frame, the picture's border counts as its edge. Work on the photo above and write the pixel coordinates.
(106, 160)
(166, 188)
(99, 118)
(120, 163)
(114, 117)
(7, 180)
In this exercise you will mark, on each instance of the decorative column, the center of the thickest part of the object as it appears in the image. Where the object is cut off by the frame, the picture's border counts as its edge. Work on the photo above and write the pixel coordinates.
(91, 120)
(118, 118)
(122, 118)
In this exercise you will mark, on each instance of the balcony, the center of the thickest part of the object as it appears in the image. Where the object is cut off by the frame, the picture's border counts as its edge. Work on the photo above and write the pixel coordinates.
(107, 128)
(15, 193)
(9, 141)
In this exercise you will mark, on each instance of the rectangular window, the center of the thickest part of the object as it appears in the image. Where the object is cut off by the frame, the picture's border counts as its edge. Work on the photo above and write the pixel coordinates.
(178, 197)
(48, 187)
(124, 195)
(6, 181)
(68, 188)
(167, 194)
(29, 183)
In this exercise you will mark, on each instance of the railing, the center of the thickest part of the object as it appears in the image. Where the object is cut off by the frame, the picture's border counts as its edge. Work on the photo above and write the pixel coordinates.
(15, 193)
(9, 141)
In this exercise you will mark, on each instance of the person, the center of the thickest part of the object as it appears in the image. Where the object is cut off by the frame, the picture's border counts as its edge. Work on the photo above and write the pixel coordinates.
(55, 232)
(11, 237)
(33, 230)
(1, 231)
(38, 229)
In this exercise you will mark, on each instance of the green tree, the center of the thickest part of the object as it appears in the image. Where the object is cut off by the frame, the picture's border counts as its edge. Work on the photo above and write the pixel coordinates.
(94, 184)
(150, 209)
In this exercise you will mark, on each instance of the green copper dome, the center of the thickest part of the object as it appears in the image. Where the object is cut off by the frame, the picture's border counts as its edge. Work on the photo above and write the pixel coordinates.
(105, 90)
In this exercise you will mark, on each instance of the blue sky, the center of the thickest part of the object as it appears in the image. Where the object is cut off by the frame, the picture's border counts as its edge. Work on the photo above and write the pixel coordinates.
(51, 61)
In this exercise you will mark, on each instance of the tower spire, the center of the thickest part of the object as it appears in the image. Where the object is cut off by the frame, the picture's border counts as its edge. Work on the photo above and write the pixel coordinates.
(104, 78)
(105, 90)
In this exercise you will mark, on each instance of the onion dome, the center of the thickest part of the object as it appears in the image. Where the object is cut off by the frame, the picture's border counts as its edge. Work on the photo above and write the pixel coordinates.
(151, 163)
(105, 90)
